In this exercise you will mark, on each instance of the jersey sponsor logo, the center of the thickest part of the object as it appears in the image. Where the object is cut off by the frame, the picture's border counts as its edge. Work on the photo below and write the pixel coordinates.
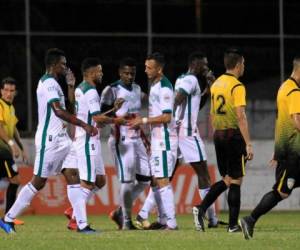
(290, 183)
(52, 88)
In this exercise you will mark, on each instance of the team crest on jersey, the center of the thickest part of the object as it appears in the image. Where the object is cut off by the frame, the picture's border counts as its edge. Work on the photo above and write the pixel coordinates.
(290, 183)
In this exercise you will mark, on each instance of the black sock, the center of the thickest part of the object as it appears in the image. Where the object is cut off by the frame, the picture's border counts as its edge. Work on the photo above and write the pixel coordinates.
(11, 194)
(214, 192)
(234, 203)
(267, 202)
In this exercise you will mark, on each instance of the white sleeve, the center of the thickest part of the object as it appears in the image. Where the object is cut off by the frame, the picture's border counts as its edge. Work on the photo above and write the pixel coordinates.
(51, 90)
(93, 101)
(186, 85)
(166, 100)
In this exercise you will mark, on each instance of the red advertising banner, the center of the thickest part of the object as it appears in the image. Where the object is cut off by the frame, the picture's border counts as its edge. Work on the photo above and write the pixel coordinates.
(52, 199)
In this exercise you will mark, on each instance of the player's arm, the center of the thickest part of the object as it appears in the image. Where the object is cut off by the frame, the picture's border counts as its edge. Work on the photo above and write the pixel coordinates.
(12, 145)
(70, 118)
(19, 142)
(239, 96)
(293, 99)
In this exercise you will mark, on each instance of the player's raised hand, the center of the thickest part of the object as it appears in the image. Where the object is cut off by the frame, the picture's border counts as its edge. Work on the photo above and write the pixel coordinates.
(70, 78)
(135, 123)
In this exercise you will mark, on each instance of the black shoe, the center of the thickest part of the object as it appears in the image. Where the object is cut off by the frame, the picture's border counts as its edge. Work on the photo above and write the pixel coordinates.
(247, 225)
(234, 229)
(199, 216)
(117, 217)
(157, 226)
(87, 230)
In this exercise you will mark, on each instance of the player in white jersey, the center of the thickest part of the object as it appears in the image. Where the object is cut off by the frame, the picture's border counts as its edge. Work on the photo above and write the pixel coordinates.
(187, 104)
(88, 148)
(127, 145)
(164, 141)
(51, 140)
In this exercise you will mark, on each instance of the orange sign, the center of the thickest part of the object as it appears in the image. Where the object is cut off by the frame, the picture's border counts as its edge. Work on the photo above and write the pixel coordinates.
(52, 199)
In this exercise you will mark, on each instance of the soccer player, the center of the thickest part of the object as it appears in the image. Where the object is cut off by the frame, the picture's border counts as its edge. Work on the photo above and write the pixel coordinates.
(187, 103)
(88, 148)
(51, 140)
(9, 134)
(164, 141)
(127, 144)
(286, 157)
(231, 138)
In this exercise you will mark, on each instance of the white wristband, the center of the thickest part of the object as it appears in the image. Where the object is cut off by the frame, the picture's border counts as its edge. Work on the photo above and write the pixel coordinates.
(10, 142)
(144, 120)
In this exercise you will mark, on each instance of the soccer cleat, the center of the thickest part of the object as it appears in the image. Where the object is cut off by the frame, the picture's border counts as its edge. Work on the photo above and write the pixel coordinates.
(72, 225)
(87, 230)
(157, 226)
(234, 229)
(68, 213)
(117, 217)
(247, 225)
(18, 222)
(128, 225)
(167, 228)
(8, 227)
(141, 223)
(199, 216)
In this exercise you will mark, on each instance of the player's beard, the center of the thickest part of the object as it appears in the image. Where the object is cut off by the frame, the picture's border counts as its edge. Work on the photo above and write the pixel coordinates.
(98, 81)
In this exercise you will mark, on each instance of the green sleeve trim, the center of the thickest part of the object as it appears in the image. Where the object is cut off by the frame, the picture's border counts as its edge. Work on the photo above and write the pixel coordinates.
(167, 111)
(53, 100)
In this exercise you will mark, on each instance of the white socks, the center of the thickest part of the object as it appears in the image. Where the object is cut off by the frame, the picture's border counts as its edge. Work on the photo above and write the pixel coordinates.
(126, 200)
(80, 205)
(168, 204)
(24, 199)
(148, 204)
(211, 211)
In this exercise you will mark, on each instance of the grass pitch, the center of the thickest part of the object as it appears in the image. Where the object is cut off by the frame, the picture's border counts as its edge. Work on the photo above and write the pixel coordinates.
(277, 230)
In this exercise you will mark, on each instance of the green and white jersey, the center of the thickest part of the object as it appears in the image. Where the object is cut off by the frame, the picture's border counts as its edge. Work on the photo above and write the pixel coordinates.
(186, 114)
(87, 104)
(49, 124)
(161, 100)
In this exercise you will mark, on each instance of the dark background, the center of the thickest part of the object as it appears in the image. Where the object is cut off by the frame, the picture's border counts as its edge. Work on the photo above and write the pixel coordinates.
(254, 24)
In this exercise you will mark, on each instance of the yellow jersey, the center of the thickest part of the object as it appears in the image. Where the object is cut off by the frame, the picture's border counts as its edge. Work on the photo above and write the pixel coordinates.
(287, 137)
(227, 93)
(8, 120)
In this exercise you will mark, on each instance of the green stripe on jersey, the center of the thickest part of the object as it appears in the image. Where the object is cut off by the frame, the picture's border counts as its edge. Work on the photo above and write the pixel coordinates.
(189, 102)
(45, 77)
(44, 136)
(199, 149)
(167, 137)
(85, 87)
(87, 150)
(165, 163)
(120, 163)
(166, 83)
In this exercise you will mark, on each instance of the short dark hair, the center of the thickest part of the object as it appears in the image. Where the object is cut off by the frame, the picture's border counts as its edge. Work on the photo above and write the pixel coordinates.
(88, 63)
(8, 80)
(232, 57)
(158, 57)
(52, 56)
(194, 56)
(127, 61)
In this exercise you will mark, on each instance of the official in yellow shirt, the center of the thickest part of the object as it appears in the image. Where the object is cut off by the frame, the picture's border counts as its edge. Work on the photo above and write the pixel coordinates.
(10, 143)
(231, 138)
(287, 150)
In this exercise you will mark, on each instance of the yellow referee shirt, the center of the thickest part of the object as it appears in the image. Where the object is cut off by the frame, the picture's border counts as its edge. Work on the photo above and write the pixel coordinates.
(8, 120)
(227, 93)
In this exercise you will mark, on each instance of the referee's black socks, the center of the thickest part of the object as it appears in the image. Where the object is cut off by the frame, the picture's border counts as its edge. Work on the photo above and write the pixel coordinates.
(268, 201)
(11, 194)
(214, 192)
(234, 203)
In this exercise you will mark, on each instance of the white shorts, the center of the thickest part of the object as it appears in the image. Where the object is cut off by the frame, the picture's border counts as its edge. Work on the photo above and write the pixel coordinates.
(89, 159)
(71, 159)
(192, 149)
(130, 158)
(49, 159)
(163, 161)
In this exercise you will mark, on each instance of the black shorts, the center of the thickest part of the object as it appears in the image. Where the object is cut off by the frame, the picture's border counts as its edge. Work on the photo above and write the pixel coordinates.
(8, 168)
(288, 174)
(231, 152)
